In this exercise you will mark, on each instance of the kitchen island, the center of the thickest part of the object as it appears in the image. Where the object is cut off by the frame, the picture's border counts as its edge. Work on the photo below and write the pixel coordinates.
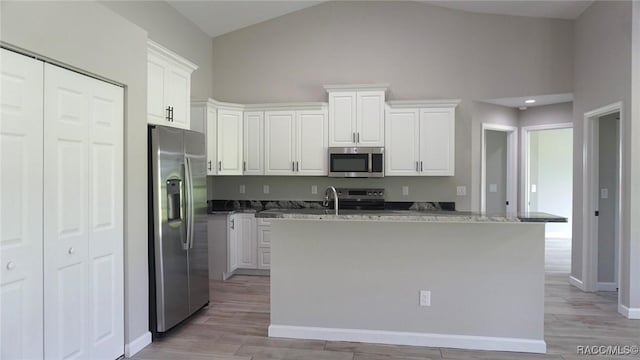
(442, 279)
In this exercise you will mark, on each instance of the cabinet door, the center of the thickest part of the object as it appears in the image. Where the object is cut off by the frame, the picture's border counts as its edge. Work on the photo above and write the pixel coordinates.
(212, 139)
(342, 118)
(247, 244)
(156, 78)
(437, 141)
(370, 118)
(232, 243)
(279, 142)
(264, 258)
(177, 90)
(264, 236)
(21, 161)
(311, 143)
(229, 142)
(402, 142)
(253, 163)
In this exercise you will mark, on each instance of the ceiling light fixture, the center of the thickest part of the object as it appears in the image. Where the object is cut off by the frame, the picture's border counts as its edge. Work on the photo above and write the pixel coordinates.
(529, 101)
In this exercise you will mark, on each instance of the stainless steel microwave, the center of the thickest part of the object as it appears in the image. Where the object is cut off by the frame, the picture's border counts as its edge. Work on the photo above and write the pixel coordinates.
(356, 162)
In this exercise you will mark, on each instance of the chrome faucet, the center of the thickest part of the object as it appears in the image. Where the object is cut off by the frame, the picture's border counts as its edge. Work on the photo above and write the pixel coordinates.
(325, 203)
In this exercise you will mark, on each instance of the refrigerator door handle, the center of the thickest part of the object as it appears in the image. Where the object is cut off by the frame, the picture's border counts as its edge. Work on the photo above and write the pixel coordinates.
(190, 208)
(187, 242)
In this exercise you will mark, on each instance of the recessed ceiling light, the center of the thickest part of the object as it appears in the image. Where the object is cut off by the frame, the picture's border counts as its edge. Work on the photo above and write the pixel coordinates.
(529, 101)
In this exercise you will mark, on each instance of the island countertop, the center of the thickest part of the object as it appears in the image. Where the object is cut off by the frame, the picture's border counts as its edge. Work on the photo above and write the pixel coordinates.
(405, 215)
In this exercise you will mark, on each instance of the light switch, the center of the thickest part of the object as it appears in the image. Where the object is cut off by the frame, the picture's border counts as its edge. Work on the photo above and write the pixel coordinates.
(242, 189)
(493, 188)
(405, 190)
(461, 191)
(604, 193)
(265, 189)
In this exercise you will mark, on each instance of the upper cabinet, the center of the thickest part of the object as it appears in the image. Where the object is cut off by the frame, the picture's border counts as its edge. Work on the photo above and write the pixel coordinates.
(356, 115)
(253, 143)
(168, 87)
(420, 138)
(229, 141)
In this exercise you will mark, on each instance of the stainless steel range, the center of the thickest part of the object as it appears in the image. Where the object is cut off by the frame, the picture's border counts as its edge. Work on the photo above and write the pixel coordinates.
(361, 198)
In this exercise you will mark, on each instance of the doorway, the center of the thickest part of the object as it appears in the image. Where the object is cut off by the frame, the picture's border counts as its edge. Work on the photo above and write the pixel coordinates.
(499, 169)
(602, 194)
(547, 186)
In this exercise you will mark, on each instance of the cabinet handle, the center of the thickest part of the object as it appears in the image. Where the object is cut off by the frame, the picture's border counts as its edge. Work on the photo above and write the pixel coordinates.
(297, 166)
(233, 224)
(353, 136)
(417, 168)
(11, 265)
(244, 166)
(209, 164)
(357, 138)
(71, 250)
(421, 166)
(168, 117)
(171, 113)
(220, 165)
(293, 166)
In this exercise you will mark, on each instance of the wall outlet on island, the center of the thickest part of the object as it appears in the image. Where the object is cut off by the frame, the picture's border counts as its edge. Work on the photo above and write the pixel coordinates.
(425, 298)
(405, 190)
(243, 189)
(265, 189)
(461, 191)
(314, 189)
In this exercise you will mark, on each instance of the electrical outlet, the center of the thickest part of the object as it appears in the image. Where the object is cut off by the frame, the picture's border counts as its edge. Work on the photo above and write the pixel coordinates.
(314, 189)
(405, 190)
(461, 191)
(604, 193)
(265, 189)
(425, 298)
(243, 189)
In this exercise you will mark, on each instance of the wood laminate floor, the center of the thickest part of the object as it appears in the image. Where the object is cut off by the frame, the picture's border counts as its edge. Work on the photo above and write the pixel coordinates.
(234, 327)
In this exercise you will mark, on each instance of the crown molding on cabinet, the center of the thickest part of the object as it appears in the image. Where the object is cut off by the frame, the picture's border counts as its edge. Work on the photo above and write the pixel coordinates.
(356, 87)
(423, 103)
(163, 51)
(262, 107)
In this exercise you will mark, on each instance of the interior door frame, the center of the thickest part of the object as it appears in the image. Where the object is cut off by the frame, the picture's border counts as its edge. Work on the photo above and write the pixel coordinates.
(512, 166)
(590, 194)
(525, 157)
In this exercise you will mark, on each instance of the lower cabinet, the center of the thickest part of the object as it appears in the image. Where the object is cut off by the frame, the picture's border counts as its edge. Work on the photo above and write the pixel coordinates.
(248, 242)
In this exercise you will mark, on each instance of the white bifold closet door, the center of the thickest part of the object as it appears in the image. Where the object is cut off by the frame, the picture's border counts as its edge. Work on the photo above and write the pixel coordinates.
(21, 326)
(83, 217)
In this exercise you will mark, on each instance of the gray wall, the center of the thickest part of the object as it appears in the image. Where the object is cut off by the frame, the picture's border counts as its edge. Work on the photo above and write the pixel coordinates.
(89, 37)
(172, 30)
(496, 173)
(608, 179)
(546, 114)
(423, 51)
(602, 69)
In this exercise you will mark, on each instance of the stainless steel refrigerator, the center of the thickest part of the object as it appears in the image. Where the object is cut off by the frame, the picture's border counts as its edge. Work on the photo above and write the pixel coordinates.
(178, 256)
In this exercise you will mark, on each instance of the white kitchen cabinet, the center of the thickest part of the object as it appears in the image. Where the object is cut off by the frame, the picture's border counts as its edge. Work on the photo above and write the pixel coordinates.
(229, 141)
(264, 258)
(420, 138)
(232, 243)
(168, 87)
(264, 245)
(296, 142)
(62, 284)
(247, 242)
(253, 143)
(204, 119)
(356, 115)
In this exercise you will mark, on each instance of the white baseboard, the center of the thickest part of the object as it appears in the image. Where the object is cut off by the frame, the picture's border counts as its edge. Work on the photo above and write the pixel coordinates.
(138, 344)
(577, 283)
(409, 338)
(558, 235)
(606, 286)
(629, 313)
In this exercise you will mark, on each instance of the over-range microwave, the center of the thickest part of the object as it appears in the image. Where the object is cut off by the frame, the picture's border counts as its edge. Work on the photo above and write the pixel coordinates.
(356, 162)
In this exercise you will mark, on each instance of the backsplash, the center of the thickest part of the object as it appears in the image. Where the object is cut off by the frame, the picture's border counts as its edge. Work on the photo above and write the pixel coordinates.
(435, 189)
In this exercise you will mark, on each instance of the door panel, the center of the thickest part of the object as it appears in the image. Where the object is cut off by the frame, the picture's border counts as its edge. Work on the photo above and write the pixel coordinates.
(177, 89)
(247, 245)
(312, 142)
(279, 142)
(195, 145)
(66, 202)
(21, 182)
(437, 141)
(370, 118)
(106, 229)
(253, 143)
(342, 118)
(229, 142)
(402, 142)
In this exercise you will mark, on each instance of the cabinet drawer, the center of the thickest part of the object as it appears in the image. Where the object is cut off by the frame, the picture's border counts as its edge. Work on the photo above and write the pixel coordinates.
(264, 258)
(264, 236)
